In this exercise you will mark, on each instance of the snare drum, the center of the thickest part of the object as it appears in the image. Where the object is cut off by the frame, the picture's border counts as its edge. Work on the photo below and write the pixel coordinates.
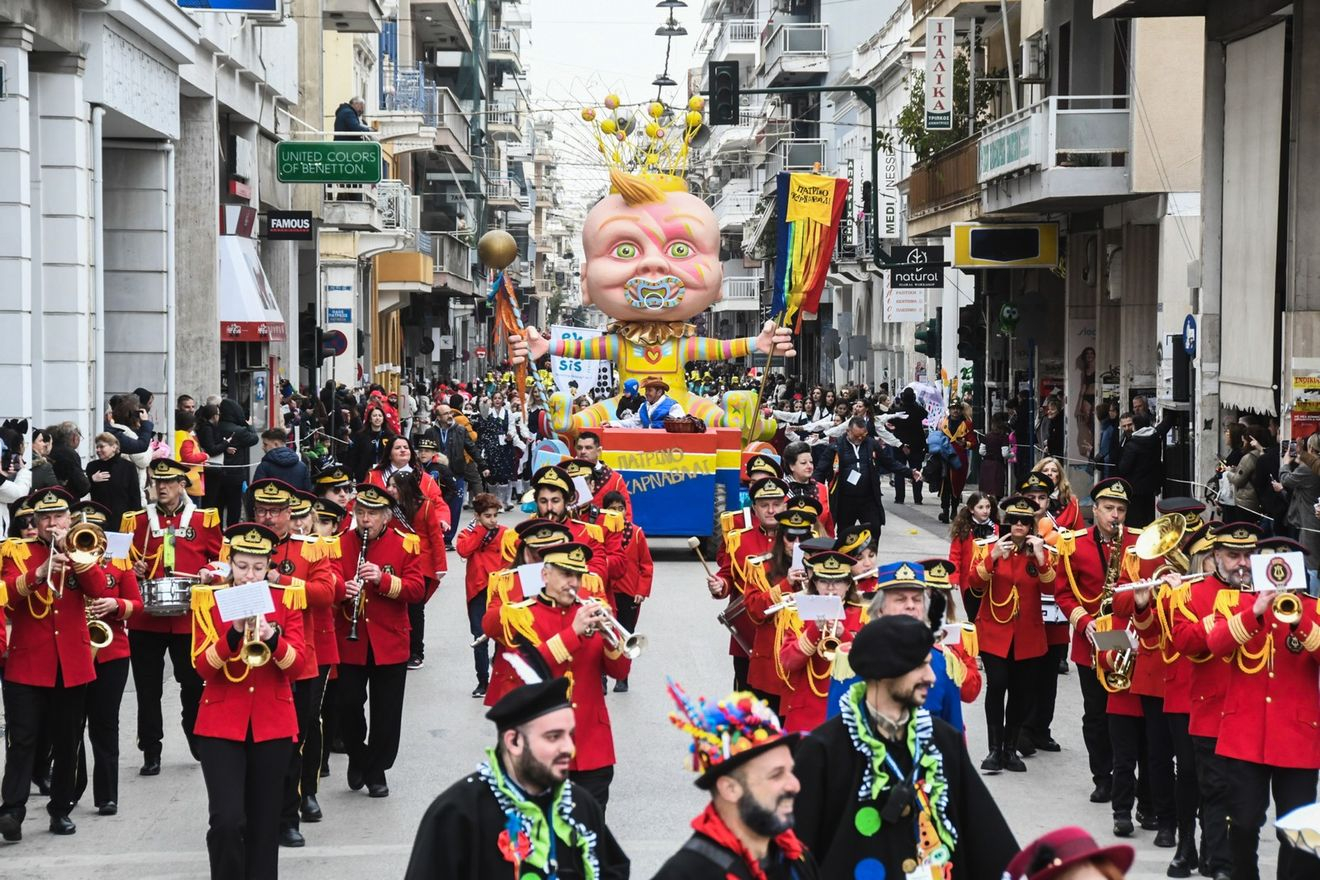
(1050, 611)
(167, 596)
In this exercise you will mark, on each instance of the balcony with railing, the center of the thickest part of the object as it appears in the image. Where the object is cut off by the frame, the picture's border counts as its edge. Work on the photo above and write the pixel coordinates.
(795, 53)
(794, 154)
(506, 49)
(442, 24)
(453, 264)
(409, 108)
(504, 122)
(739, 40)
(1067, 151)
(453, 131)
(741, 294)
(731, 138)
(352, 207)
(963, 9)
(735, 205)
(503, 193)
(944, 181)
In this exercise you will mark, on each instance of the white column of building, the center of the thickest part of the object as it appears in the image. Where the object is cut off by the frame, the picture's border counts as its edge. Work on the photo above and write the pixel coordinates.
(65, 370)
(16, 394)
(197, 260)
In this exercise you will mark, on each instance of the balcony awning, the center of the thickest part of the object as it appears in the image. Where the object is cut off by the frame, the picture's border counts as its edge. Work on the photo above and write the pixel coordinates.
(248, 312)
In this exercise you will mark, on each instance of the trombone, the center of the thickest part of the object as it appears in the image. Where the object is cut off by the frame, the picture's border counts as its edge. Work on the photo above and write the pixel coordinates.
(614, 633)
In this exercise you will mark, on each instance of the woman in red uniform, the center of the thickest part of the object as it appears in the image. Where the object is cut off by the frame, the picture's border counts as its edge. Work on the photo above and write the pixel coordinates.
(808, 659)
(326, 517)
(428, 518)
(122, 600)
(246, 724)
(769, 579)
(1064, 509)
(1009, 580)
(975, 522)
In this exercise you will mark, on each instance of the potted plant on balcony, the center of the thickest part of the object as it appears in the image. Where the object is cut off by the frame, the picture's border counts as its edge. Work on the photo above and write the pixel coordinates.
(911, 123)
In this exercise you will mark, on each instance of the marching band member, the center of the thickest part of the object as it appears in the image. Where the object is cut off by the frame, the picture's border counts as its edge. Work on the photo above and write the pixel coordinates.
(1009, 628)
(481, 543)
(977, 521)
(505, 593)
(558, 626)
(1192, 606)
(1092, 561)
(958, 658)
(382, 569)
(555, 497)
(300, 566)
(428, 519)
(634, 584)
(770, 578)
(607, 523)
(336, 484)
(799, 473)
(170, 536)
(246, 724)
(808, 659)
(1064, 509)
(327, 515)
(1271, 714)
(603, 479)
(758, 467)
(856, 542)
(50, 661)
(300, 512)
(769, 496)
(519, 814)
(745, 759)
(1039, 489)
(121, 601)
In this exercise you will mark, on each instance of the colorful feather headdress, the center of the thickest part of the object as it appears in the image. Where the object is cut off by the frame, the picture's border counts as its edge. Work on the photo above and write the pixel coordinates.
(724, 730)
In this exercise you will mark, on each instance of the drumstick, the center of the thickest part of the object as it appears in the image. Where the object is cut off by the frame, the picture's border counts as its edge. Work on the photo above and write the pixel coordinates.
(184, 574)
(694, 544)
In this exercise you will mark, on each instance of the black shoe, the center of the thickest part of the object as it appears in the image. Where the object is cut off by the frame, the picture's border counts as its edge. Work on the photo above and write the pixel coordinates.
(943, 517)
(415, 663)
(1123, 826)
(1181, 867)
(1147, 820)
(337, 745)
(355, 778)
(11, 827)
(480, 690)
(621, 687)
(43, 784)
(150, 766)
(1025, 746)
(109, 808)
(1012, 763)
(1063, 666)
(378, 790)
(993, 763)
(1103, 792)
(310, 810)
(291, 837)
(1223, 875)
(62, 825)
(1166, 838)
(1046, 745)
(325, 771)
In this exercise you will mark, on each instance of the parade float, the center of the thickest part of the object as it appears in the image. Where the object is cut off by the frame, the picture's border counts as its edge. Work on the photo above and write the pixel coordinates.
(651, 263)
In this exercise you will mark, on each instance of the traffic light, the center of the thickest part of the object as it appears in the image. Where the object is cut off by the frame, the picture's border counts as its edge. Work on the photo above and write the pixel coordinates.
(310, 347)
(971, 333)
(928, 338)
(723, 76)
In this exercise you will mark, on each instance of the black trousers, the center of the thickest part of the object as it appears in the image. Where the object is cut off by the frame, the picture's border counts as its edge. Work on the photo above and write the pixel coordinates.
(148, 661)
(103, 698)
(1095, 724)
(243, 782)
(313, 744)
(627, 611)
(855, 509)
(914, 457)
(1129, 736)
(417, 635)
(596, 782)
(1250, 786)
(1186, 797)
(373, 757)
(741, 666)
(1008, 684)
(1045, 693)
(1213, 780)
(476, 609)
(1158, 769)
(307, 704)
(332, 736)
(28, 709)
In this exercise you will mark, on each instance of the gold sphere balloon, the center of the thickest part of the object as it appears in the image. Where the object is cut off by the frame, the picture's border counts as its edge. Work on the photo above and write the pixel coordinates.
(693, 119)
(609, 126)
(588, 114)
(497, 250)
(696, 102)
(656, 109)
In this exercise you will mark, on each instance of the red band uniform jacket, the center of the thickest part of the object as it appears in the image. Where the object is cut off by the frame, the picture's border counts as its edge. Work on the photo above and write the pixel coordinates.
(383, 624)
(1080, 587)
(306, 570)
(122, 586)
(1191, 621)
(1010, 615)
(197, 540)
(739, 546)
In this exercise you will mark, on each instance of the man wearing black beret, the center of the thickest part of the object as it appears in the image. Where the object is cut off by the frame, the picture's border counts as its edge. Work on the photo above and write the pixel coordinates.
(887, 789)
(524, 780)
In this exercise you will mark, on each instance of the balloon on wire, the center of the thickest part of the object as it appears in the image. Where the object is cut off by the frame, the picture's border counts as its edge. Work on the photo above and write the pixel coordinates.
(497, 251)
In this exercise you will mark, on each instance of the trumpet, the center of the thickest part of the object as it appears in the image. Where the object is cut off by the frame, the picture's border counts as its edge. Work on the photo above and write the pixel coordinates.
(1287, 608)
(614, 633)
(828, 646)
(254, 653)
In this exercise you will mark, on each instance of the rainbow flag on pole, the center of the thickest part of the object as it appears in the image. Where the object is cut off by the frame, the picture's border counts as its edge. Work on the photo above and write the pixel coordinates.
(807, 210)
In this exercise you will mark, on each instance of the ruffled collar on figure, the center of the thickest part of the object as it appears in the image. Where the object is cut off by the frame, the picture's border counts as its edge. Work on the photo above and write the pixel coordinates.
(651, 332)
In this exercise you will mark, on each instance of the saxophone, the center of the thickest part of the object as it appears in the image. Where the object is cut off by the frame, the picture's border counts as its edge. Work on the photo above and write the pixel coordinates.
(1118, 678)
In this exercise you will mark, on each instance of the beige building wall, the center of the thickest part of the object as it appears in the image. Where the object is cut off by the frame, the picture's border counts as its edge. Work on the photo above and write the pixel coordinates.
(1167, 83)
(1033, 17)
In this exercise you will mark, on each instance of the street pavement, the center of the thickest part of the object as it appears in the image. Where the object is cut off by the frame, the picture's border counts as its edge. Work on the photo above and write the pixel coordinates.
(161, 827)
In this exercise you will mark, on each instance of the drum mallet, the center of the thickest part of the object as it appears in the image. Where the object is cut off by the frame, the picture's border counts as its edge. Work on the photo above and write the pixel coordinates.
(694, 544)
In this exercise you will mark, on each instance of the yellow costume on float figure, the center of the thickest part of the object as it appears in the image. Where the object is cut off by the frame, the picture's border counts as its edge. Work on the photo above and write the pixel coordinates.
(651, 263)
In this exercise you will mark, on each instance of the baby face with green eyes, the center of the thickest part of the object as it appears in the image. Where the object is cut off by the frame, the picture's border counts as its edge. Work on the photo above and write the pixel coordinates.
(658, 261)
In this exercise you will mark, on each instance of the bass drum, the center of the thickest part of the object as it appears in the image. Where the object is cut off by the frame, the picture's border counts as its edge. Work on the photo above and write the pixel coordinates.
(167, 596)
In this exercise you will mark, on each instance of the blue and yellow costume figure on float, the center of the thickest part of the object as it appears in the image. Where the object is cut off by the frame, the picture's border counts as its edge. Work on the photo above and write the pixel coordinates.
(652, 263)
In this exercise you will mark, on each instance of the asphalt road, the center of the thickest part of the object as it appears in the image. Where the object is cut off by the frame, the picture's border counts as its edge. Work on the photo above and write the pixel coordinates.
(161, 827)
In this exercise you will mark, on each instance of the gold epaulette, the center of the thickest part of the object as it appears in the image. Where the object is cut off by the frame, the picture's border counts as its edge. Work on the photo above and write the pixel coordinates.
(1067, 542)
(332, 548)
(210, 517)
(128, 521)
(202, 601)
(412, 543)
(611, 521)
(732, 541)
(1132, 564)
(1226, 602)
(312, 549)
(498, 584)
(17, 549)
(842, 670)
(516, 620)
(509, 545)
(971, 642)
(294, 598)
(1133, 530)
(593, 585)
(726, 521)
(595, 532)
(954, 666)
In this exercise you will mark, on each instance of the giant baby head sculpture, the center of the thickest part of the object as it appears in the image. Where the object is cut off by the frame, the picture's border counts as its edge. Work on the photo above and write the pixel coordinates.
(652, 251)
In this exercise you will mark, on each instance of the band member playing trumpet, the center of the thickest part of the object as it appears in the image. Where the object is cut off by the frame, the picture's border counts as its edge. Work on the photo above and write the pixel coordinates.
(555, 498)
(108, 614)
(807, 659)
(1271, 713)
(1039, 488)
(771, 578)
(572, 637)
(481, 543)
(246, 724)
(49, 667)
(170, 536)
(633, 586)
(1010, 630)
(382, 569)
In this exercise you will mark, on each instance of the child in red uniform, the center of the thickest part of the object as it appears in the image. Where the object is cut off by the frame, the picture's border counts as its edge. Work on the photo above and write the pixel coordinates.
(633, 586)
(480, 545)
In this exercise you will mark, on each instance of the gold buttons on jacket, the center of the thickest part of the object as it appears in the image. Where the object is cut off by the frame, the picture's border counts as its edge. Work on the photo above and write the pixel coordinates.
(252, 690)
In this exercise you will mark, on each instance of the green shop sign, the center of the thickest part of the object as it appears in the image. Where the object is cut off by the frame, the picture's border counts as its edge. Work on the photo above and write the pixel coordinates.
(327, 162)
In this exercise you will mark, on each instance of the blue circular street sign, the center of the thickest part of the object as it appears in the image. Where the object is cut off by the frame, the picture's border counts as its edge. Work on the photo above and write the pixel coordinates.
(1189, 335)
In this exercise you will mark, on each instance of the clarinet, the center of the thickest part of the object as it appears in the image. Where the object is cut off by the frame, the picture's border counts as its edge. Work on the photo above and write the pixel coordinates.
(357, 602)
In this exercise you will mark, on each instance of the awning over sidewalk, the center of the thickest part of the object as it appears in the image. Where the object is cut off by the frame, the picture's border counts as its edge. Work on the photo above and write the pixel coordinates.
(248, 312)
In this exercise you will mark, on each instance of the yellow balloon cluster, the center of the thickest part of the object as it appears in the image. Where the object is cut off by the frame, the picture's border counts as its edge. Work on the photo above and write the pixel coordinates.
(656, 140)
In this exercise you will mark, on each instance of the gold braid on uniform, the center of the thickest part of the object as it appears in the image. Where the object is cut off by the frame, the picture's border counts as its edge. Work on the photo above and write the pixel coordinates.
(516, 619)
(1067, 544)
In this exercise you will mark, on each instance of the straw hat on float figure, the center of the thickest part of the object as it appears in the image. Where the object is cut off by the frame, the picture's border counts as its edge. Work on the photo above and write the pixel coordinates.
(652, 263)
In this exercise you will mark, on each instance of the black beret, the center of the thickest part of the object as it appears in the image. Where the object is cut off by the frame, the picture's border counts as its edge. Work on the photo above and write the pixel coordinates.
(890, 647)
(531, 701)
